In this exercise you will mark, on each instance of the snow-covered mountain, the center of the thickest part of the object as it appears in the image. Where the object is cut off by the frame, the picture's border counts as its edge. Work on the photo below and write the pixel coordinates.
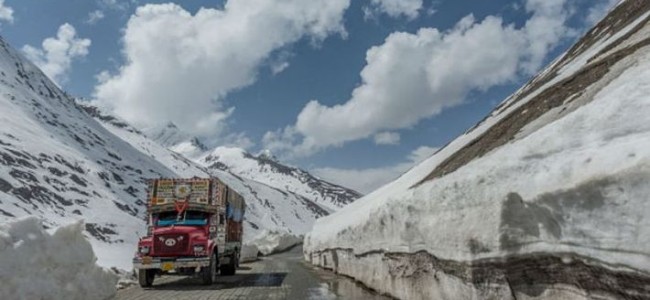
(264, 168)
(64, 162)
(546, 198)
(172, 137)
(268, 208)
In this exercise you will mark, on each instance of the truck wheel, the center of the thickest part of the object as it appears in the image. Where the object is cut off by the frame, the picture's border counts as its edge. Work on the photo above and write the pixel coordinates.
(229, 269)
(146, 277)
(209, 273)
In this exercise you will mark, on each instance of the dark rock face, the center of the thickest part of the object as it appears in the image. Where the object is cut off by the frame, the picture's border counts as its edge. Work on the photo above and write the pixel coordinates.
(530, 275)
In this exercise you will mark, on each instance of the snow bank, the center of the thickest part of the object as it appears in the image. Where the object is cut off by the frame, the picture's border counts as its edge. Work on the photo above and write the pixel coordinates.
(597, 150)
(574, 185)
(126, 279)
(269, 242)
(248, 253)
(37, 265)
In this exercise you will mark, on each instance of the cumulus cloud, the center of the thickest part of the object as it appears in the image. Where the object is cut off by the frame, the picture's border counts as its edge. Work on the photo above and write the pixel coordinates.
(413, 76)
(94, 17)
(394, 8)
(367, 180)
(6, 12)
(180, 66)
(387, 138)
(56, 54)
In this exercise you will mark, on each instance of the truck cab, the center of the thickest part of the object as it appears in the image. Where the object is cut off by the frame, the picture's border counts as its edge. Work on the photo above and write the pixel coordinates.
(194, 227)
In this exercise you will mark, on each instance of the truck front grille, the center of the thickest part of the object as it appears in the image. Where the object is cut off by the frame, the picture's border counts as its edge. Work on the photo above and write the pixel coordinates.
(170, 244)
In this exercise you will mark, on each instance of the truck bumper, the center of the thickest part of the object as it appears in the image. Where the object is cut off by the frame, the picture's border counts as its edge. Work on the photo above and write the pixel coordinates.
(167, 264)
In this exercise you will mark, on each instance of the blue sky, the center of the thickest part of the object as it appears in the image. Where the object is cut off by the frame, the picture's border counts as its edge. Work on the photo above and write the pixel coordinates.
(248, 70)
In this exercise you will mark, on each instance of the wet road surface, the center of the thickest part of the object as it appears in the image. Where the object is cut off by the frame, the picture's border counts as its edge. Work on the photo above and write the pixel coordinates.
(280, 276)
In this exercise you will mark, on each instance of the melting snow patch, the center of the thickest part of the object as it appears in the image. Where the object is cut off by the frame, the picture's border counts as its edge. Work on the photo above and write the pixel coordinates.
(248, 253)
(322, 292)
(269, 242)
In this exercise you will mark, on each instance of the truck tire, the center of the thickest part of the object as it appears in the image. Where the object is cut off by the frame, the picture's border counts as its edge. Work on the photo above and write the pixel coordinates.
(229, 269)
(209, 273)
(146, 277)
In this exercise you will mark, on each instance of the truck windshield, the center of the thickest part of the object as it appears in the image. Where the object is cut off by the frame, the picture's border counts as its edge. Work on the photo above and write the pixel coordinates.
(188, 218)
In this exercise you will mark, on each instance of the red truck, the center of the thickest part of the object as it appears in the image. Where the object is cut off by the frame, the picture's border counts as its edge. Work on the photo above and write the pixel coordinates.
(194, 227)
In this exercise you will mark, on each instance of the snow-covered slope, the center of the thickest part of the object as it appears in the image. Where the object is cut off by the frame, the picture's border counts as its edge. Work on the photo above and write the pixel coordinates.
(57, 163)
(545, 198)
(268, 208)
(170, 136)
(264, 168)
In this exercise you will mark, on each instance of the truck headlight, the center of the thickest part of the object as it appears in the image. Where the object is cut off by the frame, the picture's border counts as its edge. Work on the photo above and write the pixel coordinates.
(199, 248)
(144, 250)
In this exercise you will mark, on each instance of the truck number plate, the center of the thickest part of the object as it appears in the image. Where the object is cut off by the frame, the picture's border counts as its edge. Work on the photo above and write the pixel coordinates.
(167, 266)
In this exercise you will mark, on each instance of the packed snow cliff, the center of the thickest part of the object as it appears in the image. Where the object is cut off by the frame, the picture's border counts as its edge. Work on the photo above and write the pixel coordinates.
(39, 265)
(547, 198)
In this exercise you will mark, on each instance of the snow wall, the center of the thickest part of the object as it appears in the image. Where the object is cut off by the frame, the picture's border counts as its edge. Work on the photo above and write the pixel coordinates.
(559, 210)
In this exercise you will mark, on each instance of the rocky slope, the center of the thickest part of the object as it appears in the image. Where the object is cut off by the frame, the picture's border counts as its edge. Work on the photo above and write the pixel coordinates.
(57, 163)
(546, 198)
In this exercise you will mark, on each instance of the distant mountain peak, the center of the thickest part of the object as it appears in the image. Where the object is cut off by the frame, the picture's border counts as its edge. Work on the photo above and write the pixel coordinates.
(265, 168)
(267, 154)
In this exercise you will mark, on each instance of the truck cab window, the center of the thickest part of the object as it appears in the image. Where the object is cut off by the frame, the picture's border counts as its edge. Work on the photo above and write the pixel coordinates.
(187, 218)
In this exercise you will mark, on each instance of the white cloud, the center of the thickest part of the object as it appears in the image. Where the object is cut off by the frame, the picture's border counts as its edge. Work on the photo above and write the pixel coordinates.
(387, 138)
(180, 66)
(394, 8)
(598, 11)
(103, 76)
(278, 67)
(280, 61)
(6, 12)
(367, 180)
(94, 17)
(415, 76)
(239, 140)
(116, 4)
(57, 53)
